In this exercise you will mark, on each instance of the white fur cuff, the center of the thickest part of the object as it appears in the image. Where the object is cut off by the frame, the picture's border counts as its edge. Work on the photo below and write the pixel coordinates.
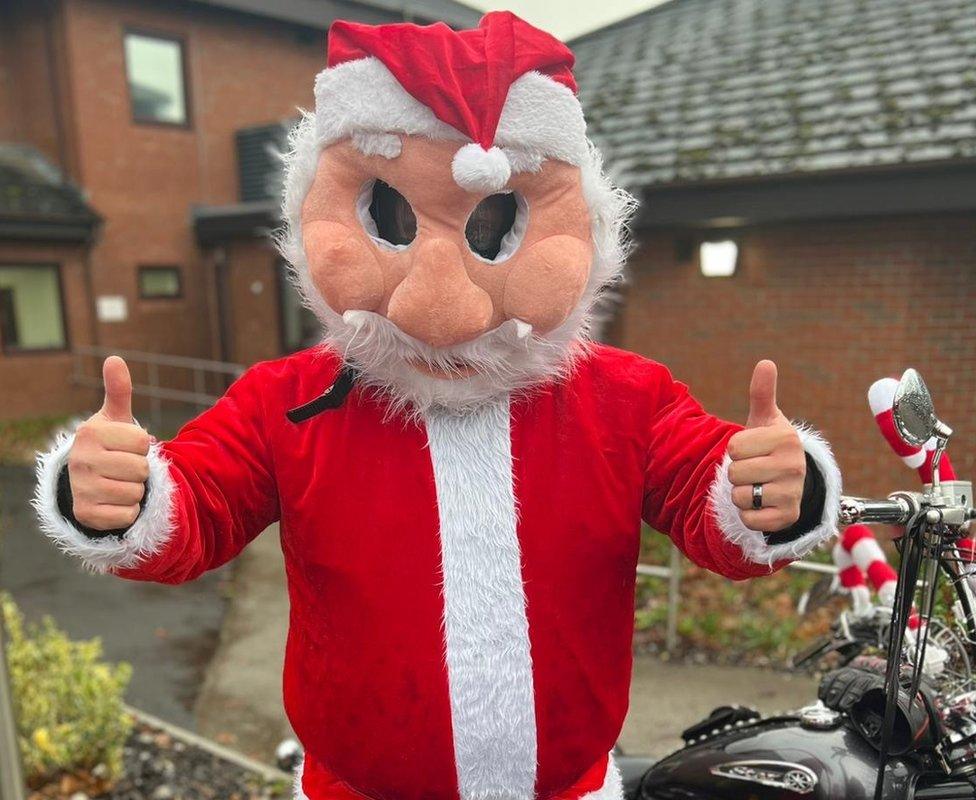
(753, 543)
(147, 536)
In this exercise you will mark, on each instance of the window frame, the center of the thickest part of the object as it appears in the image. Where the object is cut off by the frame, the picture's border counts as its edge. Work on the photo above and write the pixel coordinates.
(143, 268)
(166, 36)
(16, 350)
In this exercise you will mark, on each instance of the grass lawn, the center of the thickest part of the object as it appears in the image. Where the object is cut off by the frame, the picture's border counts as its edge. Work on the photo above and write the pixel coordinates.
(720, 620)
(21, 439)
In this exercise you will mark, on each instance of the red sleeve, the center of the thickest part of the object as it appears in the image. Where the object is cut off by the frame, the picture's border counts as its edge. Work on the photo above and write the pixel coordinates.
(219, 485)
(686, 448)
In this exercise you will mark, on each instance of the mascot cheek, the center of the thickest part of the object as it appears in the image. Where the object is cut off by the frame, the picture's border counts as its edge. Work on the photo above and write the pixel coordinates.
(547, 281)
(343, 266)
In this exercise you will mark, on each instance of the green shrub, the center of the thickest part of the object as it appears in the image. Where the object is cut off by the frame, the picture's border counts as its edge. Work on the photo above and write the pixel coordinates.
(67, 701)
(21, 439)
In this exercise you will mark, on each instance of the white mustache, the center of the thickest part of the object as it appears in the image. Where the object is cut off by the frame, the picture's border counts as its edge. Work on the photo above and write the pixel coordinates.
(512, 329)
(506, 358)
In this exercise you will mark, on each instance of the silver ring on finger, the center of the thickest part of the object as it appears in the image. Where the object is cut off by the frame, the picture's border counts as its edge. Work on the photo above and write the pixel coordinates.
(757, 493)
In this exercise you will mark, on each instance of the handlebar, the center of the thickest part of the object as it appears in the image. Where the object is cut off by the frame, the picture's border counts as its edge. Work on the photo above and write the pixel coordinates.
(896, 510)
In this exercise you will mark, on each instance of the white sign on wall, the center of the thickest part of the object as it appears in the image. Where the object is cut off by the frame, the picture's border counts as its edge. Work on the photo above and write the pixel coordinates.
(111, 308)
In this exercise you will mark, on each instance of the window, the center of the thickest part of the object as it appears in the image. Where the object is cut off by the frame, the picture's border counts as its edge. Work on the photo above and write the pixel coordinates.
(31, 312)
(155, 72)
(159, 282)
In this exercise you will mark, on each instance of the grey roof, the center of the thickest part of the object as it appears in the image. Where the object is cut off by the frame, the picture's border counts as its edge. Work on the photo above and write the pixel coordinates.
(703, 90)
(33, 188)
(321, 13)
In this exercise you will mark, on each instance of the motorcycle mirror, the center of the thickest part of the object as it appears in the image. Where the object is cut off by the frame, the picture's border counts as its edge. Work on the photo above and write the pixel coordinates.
(913, 410)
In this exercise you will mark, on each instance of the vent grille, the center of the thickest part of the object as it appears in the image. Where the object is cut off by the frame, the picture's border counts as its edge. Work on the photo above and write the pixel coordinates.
(259, 168)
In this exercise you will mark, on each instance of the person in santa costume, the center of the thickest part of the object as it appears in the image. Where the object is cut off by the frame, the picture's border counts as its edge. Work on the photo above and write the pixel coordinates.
(459, 473)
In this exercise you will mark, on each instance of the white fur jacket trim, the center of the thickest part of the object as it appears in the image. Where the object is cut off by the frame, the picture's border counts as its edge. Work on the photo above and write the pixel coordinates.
(147, 535)
(753, 544)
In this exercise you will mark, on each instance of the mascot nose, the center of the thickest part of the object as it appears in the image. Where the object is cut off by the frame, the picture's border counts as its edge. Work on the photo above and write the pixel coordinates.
(437, 302)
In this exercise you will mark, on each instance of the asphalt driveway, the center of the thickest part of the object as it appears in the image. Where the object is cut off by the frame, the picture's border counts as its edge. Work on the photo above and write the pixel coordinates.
(168, 634)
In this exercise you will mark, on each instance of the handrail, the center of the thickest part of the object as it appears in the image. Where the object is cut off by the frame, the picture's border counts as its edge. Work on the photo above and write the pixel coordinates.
(187, 362)
(199, 368)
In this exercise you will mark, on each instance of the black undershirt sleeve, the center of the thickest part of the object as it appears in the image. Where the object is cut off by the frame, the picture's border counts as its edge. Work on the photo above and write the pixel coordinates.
(811, 507)
(66, 507)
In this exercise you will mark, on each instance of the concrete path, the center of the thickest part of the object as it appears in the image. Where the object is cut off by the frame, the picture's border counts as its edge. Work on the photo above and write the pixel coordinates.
(667, 698)
(167, 633)
(240, 703)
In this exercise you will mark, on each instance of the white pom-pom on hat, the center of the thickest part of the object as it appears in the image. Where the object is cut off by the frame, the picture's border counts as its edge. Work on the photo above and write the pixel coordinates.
(478, 170)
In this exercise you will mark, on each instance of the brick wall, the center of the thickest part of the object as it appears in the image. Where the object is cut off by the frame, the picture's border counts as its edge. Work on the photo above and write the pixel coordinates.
(144, 179)
(836, 305)
(29, 78)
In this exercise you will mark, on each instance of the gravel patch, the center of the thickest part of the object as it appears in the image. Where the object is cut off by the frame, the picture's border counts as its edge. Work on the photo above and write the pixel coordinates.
(161, 766)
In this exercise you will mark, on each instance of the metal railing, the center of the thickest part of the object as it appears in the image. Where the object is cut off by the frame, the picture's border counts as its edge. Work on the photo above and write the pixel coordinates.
(196, 382)
(672, 573)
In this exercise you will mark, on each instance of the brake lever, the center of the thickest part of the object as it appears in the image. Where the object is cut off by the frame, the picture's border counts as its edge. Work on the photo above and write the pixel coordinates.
(817, 650)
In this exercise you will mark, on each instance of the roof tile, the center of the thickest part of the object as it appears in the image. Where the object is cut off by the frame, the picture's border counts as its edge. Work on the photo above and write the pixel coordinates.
(711, 89)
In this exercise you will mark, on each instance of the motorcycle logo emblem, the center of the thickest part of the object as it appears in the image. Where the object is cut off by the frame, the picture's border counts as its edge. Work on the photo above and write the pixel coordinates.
(794, 778)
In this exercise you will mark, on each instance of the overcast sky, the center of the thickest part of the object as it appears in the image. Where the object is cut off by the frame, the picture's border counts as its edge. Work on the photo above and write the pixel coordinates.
(568, 18)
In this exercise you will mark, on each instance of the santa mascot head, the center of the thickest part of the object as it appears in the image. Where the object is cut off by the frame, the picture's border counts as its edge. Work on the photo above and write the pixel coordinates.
(446, 217)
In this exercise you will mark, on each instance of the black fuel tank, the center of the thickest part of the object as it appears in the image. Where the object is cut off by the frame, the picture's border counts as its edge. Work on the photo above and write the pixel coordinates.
(776, 759)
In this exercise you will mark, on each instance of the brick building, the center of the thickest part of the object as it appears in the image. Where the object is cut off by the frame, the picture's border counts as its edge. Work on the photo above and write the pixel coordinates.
(834, 144)
(117, 121)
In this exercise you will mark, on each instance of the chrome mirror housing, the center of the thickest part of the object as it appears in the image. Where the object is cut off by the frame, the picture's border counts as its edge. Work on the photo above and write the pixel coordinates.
(916, 422)
(913, 410)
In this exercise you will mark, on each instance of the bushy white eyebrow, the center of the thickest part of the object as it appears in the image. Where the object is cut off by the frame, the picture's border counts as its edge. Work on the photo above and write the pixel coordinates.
(522, 160)
(371, 143)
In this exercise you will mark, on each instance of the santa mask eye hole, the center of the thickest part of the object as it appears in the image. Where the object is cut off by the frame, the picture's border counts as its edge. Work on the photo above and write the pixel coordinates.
(386, 215)
(495, 228)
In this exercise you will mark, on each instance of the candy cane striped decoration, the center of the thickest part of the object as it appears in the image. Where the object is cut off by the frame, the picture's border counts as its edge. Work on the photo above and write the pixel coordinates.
(866, 555)
(857, 555)
(881, 398)
(851, 579)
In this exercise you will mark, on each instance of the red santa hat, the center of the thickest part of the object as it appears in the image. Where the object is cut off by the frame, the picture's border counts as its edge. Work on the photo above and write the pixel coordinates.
(506, 88)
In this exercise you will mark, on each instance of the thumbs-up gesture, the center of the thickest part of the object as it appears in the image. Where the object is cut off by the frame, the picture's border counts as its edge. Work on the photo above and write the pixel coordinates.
(767, 454)
(107, 465)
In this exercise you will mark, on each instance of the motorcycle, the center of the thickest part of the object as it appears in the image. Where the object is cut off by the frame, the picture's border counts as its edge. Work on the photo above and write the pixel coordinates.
(906, 729)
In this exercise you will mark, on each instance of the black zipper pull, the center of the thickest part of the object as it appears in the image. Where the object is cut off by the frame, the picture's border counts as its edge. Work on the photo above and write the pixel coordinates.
(333, 397)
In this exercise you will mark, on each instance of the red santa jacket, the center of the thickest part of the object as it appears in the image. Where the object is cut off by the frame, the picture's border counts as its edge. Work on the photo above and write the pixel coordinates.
(462, 585)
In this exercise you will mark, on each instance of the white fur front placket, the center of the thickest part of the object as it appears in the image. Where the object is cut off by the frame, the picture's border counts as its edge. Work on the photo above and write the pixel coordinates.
(489, 664)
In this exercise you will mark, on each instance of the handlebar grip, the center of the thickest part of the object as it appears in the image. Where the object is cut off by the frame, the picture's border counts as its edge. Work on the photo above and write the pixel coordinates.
(896, 510)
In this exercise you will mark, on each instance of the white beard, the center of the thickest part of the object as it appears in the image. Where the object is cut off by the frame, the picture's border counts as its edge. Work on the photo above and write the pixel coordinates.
(503, 361)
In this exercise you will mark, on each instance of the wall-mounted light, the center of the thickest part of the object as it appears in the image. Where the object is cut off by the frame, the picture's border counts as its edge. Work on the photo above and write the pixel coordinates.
(718, 259)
